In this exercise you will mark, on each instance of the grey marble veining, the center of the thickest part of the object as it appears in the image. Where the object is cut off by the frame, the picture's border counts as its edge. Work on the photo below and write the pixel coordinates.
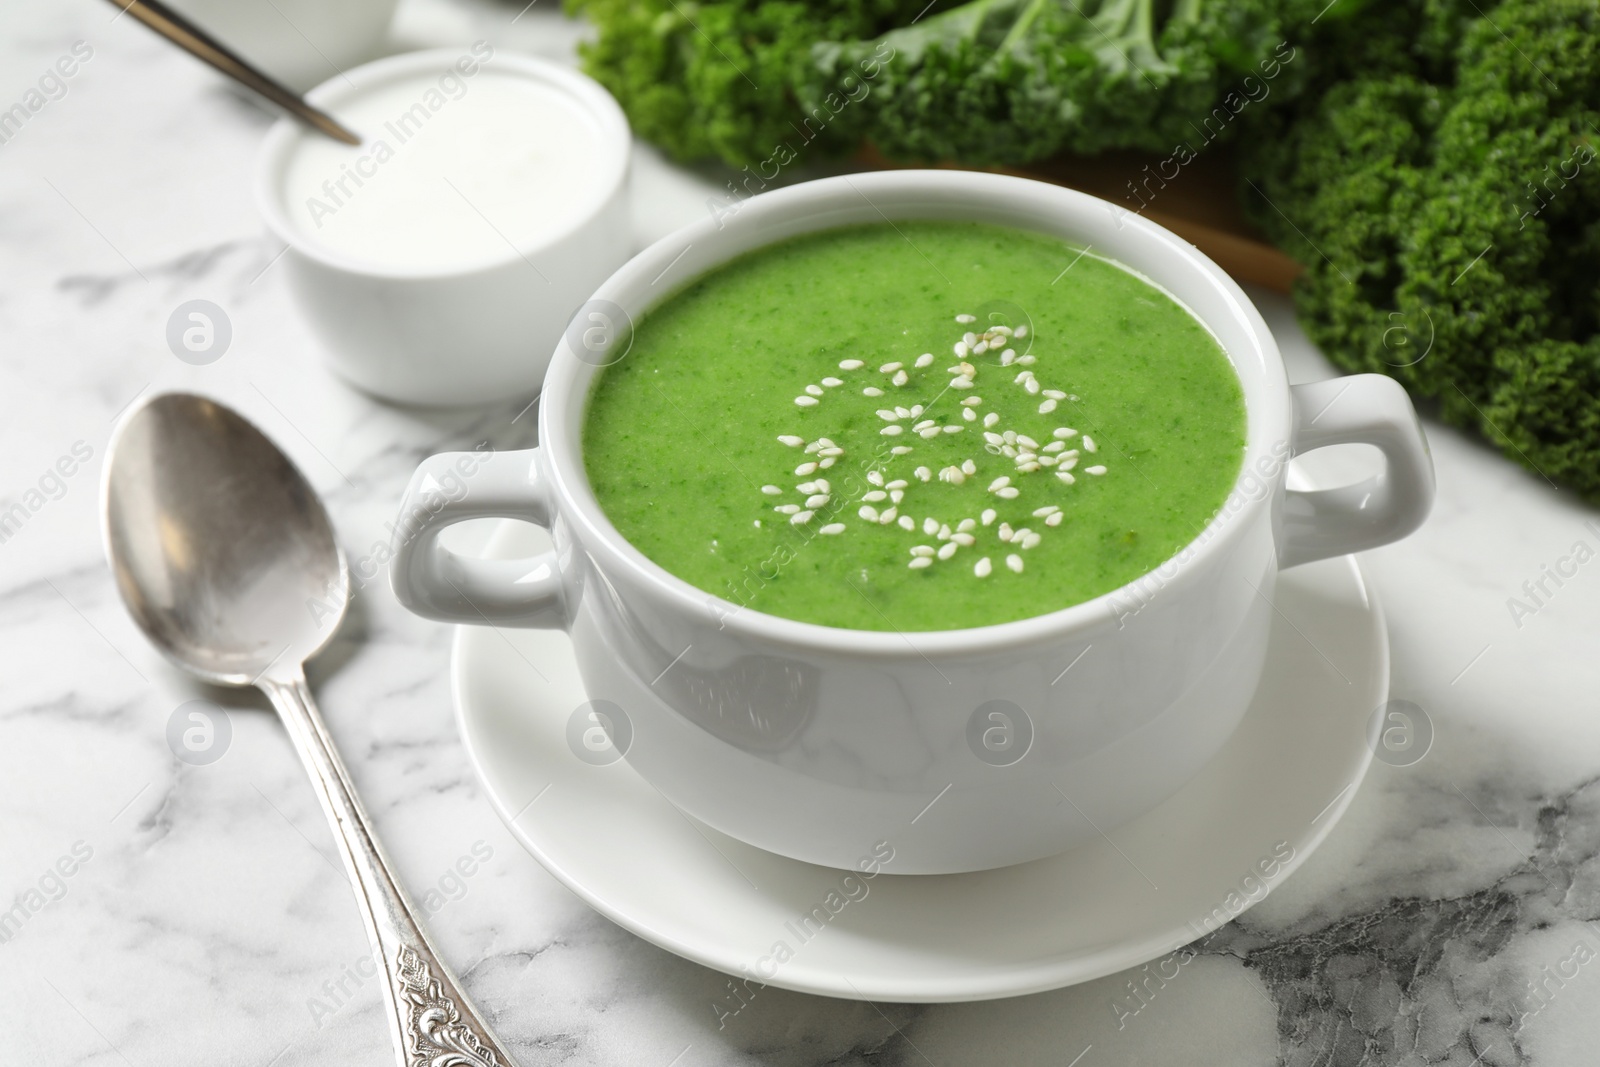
(1451, 918)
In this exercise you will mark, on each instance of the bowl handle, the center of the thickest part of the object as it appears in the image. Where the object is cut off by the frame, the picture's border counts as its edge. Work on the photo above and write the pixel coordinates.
(435, 582)
(1362, 409)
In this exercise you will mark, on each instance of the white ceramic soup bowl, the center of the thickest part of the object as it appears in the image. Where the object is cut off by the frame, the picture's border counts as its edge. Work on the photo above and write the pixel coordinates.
(961, 749)
(453, 334)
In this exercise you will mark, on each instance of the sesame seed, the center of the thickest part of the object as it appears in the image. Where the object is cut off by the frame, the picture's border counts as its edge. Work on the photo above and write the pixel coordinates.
(896, 495)
(787, 509)
(982, 567)
(1023, 376)
(872, 390)
(932, 431)
(1055, 394)
(889, 516)
(890, 368)
(954, 429)
(930, 526)
(876, 496)
(1027, 468)
(898, 483)
(944, 532)
(1054, 446)
(868, 512)
(1010, 492)
(1020, 331)
(1047, 407)
(900, 450)
(1054, 519)
(831, 382)
(999, 483)
(1095, 470)
(1026, 457)
(1027, 442)
(791, 440)
(1009, 437)
(924, 360)
(771, 490)
(1032, 385)
(965, 540)
(923, 425)
(887, 415)
(850, 364)
(923, 474)
(817, 501)
(758, 524)
(1064, 476)
(948, 549)
(966, 525)
(920, 562)
(875, 477)
(952, 475)
(1030, 540)
(891, 431)
(800, 518)
(988, 516)
(806, 401)
(805, 469)
(961, 383)
(1068, 461)
(814, 390)
(961, 349)
(826, 462)
(980, 348)
(971, 401)
(1089, 445)
(1008, 451)
(1014, 561)
(990, 419)
(907, 523)
(964, 319)
(834, 451)
(806, 487)
(969, 414)
(968, 467)
(969, 338)
(1047, 461)
(833, 529)
(916, 409)
(1006, 532)
(922, 550)
(994, 439)
(900, 378)
(822, 485)
(1061, 433)
(1007, 357)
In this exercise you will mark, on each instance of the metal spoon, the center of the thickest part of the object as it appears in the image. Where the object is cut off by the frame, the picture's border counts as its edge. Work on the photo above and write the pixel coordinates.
(197, 42)
(225, 558)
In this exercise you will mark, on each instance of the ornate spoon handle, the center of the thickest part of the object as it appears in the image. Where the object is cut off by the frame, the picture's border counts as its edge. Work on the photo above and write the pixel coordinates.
(431, 1019)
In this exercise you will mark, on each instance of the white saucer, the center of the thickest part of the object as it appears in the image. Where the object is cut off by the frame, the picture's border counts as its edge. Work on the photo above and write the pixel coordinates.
(1147, 888)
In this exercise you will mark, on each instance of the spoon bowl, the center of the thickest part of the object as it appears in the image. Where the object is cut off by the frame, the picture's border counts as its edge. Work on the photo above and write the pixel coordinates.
(222, 552)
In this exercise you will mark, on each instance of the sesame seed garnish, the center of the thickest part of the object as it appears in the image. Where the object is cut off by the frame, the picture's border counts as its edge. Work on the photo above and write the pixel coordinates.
(971, 401)
(948, 549)
(800, 518)
(952, 475)
(907, 522)
(888, 516)
(787, 509)
(1089, 445)
(1020, 331)
(771, 490)
(1007, 357)
(791, 440)
(890, 368)
(922, 550)
(831, 382)
(982, 567)
(817, 501)
(887, 415)
(1010, 492)
(1067, 462)
(900, 450)
(1095, 470)
(923, 474)
(850, 364)
(900, 378)
(954, 429)
(969, 414)
(1027, 442)
(924, 360)
(806, 401)
(872, 390)
(1061, 433)
(966, 525)
(920, 562)
(1030, 540)
(961, 349)
(896, 495)
(1006, 532)
(1047, 407)
(827, 462)
(1014, 561)
(1055, 394)
(1054, 519)
(964, 319)
(898, 483)
(805, 469)
(968, 467)
(877, 496)
(961, 383)
(944, 532)
(965, 540)
(969, 338)
(1054, 446)
(930, 525)
(923, 425)
(833, 529)
(814, 390)
(988, 516)
(875, 477)
(868, 512)
(932, 431)
(891, 431)
(1032, 385)
(1064, 476)
(1048, 509)
(980, 348)
(999, 483)
(990, 419)
(806, 487)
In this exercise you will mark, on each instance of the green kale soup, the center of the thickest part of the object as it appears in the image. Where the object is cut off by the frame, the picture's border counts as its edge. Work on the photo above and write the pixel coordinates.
(915, 426)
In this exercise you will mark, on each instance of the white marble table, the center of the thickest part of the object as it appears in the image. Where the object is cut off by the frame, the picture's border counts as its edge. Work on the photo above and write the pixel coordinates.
(206, 919)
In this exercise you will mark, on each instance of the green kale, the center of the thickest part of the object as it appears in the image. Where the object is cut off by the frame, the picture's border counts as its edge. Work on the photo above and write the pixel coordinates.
(1438, 179)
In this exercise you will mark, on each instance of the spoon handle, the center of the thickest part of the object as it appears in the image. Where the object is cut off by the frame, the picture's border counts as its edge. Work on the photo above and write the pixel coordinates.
(431, 1019)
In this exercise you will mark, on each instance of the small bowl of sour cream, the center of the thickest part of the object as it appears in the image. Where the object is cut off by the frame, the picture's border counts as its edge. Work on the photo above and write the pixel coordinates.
(441, 259)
